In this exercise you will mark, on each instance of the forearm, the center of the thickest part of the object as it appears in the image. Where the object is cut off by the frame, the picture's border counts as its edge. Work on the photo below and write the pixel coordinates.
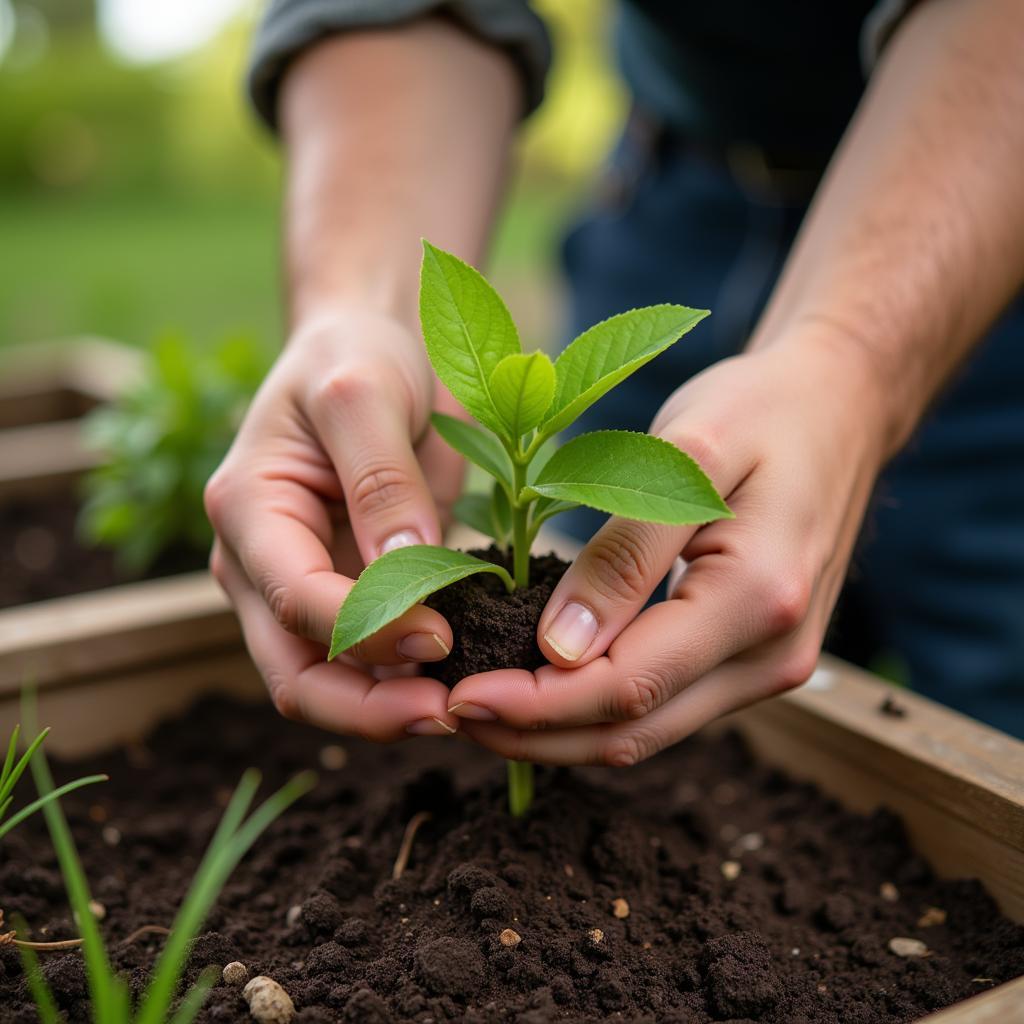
(915, 241)
(391, 136)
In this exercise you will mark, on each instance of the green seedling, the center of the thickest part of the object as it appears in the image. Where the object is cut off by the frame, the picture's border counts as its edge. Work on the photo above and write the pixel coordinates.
(160, 441)
(520, 401)
(108, 991)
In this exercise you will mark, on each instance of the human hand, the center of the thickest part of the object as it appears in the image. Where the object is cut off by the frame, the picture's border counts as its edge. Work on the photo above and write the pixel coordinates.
(333, 465)
(792, 436)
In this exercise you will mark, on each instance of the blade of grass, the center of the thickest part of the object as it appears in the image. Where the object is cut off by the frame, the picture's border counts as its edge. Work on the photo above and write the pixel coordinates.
(5, 807)
(39, 804)
(41, 994)
(225, 851)
(19, 769)
(12, 749)
(100, 975)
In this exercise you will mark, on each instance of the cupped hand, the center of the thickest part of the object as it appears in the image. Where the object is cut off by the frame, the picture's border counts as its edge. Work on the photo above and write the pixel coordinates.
(333, 465)
(791, 437)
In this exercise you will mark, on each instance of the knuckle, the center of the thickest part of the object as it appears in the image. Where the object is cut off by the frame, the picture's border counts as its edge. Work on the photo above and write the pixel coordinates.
(626, 749)
(215, 498)
(618, 565)
(795, 668)
(379, 488)
(705, 446)
(785, 602)
(282, 695)
(283, 606)
(344, 385)
(642, 693)
(217, 566)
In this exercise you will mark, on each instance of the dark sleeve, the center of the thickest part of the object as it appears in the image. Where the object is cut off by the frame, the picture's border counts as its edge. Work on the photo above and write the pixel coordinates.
(290, 26)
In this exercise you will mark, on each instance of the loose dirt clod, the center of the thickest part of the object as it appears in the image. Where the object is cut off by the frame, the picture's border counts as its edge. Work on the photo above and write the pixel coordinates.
(889, 892)
(235, 973)
(931, 917)
(333, 757)
(268, 1002)
(510, 938)
(620, 908)
(731, 870)
(908, 947)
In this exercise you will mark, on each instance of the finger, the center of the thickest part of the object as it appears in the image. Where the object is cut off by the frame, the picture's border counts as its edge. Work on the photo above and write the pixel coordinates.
(622, 744)
(283, 552)
(336, 696)
(729, 600)
(368, 438)
(619, 569)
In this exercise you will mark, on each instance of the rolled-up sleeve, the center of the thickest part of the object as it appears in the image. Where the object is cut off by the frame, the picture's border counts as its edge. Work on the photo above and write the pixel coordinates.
(290, 26)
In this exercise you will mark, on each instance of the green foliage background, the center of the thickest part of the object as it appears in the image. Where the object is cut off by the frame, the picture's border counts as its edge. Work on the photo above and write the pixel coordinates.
(137, 199)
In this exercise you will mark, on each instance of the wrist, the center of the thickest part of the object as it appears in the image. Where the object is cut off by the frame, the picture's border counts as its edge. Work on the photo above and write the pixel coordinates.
(852, 373)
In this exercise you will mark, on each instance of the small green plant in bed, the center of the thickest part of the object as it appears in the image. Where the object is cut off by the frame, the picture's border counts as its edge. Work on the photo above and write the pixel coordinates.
(520, 401)
(161, 1002)
(160, 442)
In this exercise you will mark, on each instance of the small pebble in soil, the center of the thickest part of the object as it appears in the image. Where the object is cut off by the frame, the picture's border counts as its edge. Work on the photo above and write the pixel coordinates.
(97, 909)
(931, 917)
(510, 938)
(333, 757)
(596, 936)
(293, 916)
(569, 870)
(111, 836)
(889, 892)
(908, 947)
(235, 973)
(731, 870)
(620, 908)
(268, 1002)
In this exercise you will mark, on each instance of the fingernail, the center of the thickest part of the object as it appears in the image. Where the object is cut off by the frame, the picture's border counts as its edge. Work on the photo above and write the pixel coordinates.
(402, 539)
(430, 727)
(422, 647)
(467, 710)
(572, 631)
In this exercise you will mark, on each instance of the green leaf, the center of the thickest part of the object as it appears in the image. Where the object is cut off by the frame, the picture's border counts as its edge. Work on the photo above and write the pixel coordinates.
(522, 388)
(633, 475)
(467, 331)
(609, 352)
(475, 444)
(394, 582)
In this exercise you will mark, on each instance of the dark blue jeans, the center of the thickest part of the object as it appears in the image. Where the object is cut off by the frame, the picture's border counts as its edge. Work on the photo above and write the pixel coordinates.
(936, 585)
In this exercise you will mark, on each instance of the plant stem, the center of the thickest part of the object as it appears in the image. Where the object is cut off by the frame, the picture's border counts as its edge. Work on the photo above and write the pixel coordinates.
(520, 527)
(520, 787)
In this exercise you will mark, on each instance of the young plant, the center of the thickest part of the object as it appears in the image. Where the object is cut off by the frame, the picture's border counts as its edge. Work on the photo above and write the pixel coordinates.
(159, 443)
(520, 401)
(108, 991)
(12, 770)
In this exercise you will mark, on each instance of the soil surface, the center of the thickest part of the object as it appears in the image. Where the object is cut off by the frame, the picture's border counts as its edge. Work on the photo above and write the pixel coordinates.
(699, 886)
(41, 556)
(491, 627)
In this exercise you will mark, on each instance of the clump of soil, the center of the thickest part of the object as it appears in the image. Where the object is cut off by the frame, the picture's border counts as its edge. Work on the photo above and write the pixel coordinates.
(41, 557)
(614, 885)
(491, 627)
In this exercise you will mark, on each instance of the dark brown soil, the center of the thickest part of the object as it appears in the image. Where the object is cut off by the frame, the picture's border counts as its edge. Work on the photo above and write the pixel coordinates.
(799, 935)
(41, 556)
(491, 627)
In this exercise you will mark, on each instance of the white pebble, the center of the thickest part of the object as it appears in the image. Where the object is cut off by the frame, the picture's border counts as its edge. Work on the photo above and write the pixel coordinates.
(889, 892)
(111, 835)
(268, 1002)
(293, 916)
(235, 973)
(908, 947)
(731, 870)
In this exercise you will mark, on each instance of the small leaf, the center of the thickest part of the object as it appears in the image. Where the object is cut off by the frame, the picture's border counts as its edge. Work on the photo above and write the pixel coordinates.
(475, 444)
(522, 388)
(609, 352)
(394, 582)
(501, 512)
(633, 475)
(467, 331)
(475, 510)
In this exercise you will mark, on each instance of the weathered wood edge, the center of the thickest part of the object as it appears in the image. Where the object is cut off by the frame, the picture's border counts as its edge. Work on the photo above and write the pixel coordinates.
(1002, 1005)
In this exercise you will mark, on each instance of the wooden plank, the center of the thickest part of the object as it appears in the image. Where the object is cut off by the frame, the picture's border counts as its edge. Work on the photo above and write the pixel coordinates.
(42, 457)
(1002, 1005)
(87, 636)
